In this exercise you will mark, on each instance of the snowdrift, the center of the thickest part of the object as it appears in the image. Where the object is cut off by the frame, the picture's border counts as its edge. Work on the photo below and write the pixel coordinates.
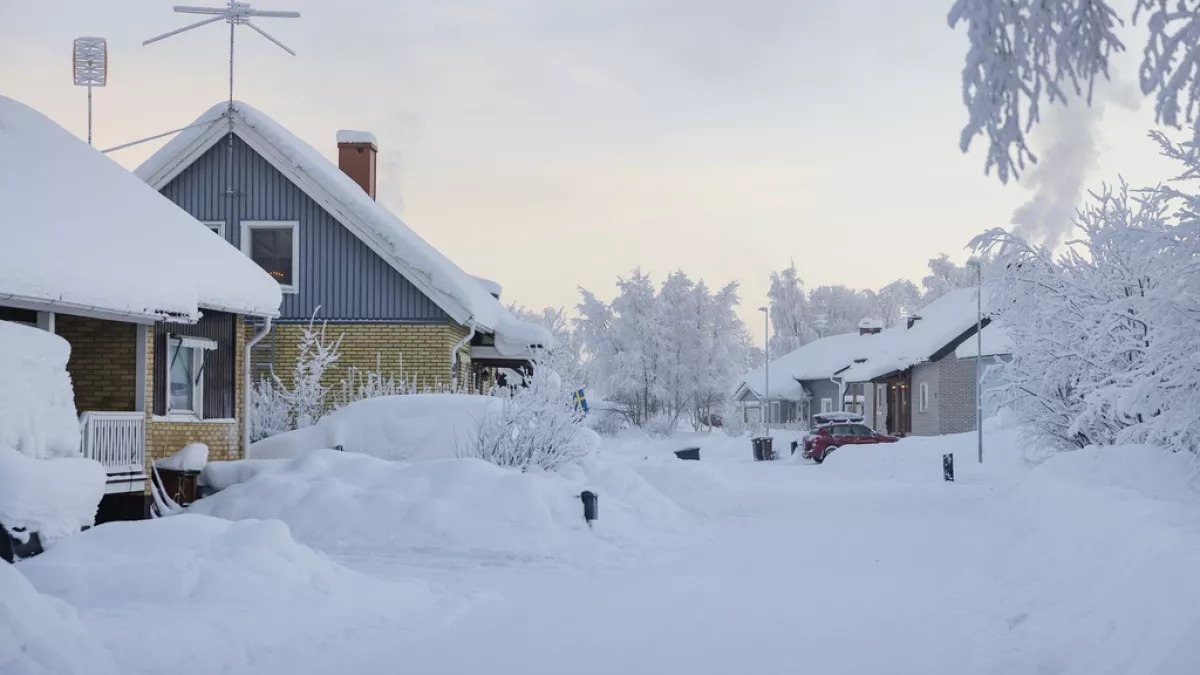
(1104, 546)
(193, 594)
(41, 635)
(409, 427)
(53, 497)
(349, 503)
(37, 404)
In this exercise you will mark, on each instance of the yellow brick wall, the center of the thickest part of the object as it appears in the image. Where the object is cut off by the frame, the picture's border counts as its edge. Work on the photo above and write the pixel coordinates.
(103, 363)
(420, 350)
(223, 438)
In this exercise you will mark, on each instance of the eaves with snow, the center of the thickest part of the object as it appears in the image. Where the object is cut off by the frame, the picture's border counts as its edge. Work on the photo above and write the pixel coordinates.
(818, 360)
(79, 233)
(457, 293)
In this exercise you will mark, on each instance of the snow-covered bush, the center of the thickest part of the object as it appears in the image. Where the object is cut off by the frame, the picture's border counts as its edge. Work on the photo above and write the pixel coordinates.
(605, 422)
(661, 426)
(270, 414)
(52, 497)
(537, 425)
(308, 397)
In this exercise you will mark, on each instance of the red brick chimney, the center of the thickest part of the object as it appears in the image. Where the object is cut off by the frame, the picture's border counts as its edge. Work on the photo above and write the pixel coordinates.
(356, 158)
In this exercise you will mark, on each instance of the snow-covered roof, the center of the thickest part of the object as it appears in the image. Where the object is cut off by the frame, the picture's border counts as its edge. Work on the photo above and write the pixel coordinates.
(869, 323)
(817, 360)
(902, 347)
(79, 231)
(456, 292)
(352, 136)
(996, 341)
(490, 286)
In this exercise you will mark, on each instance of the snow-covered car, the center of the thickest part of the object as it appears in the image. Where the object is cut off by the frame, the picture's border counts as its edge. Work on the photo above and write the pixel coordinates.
(829, 437)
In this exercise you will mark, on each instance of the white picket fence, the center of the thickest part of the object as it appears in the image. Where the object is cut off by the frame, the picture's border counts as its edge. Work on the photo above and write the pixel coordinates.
(118, 441)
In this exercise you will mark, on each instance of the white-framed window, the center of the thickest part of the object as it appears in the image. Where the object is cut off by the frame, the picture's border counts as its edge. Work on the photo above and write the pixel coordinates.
(923, 397)
(217, 226)
(275, 246)
(185, 374)
(826, 405)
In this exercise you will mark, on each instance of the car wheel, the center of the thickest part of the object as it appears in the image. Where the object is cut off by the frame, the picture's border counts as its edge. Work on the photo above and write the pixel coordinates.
(828, 449)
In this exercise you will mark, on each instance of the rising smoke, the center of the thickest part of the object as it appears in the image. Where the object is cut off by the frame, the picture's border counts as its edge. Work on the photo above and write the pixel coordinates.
(1059, 178)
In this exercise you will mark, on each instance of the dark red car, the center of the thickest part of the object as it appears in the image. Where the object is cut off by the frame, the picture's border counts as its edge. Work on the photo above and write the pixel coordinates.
(829, 437)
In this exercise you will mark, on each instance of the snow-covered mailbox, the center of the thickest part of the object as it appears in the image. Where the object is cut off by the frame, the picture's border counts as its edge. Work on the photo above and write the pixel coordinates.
(47, 489)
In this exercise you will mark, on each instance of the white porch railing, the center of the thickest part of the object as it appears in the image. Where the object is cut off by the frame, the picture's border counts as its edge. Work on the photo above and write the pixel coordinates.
(118, 441)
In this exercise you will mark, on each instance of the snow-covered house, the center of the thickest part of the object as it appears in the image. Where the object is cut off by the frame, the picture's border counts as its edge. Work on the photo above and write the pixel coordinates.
(316, 228)
(920, 378)
(805, 381)
(150, 303)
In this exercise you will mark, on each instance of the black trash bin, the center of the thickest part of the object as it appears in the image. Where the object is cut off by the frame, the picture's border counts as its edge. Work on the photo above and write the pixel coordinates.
(762, 448)
(688, 453)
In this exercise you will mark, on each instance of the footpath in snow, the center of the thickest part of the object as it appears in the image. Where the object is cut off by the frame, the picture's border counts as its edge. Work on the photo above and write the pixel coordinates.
(869, 563)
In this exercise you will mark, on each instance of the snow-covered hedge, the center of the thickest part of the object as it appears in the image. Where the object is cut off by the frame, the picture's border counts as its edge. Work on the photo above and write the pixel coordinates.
(53, 497)
(37, 404)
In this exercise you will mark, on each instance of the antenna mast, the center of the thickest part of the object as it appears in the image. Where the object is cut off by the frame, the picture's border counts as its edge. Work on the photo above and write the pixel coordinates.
(90, 63)
(235, 14)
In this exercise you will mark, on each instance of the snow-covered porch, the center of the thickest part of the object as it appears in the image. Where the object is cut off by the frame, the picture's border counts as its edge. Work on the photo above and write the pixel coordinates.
(108, 372)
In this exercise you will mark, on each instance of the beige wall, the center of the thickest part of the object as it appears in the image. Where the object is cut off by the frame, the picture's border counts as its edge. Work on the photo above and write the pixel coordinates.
(103, 363)
(422, 350)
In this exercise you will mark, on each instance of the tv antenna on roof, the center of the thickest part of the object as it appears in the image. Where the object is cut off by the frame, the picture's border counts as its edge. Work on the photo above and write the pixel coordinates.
(235, 14)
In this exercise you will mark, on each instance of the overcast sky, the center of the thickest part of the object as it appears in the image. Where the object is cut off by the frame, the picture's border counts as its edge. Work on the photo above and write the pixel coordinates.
(551, 145)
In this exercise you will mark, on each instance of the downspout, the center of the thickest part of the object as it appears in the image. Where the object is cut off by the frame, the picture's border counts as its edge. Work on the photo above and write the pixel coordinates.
(454, 355)
(249, 391)
(841, 401)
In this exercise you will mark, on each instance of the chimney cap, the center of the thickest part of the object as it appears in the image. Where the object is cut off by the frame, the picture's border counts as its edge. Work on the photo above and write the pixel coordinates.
(351, 136)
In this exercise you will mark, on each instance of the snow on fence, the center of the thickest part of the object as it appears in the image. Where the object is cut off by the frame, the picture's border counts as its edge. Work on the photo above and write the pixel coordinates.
(117, 440)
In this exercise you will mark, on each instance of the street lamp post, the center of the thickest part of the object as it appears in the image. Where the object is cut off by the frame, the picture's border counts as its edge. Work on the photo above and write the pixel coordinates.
(978, 265)
(766, 414)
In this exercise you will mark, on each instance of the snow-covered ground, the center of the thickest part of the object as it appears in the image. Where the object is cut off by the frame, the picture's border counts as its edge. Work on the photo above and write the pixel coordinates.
(869, 563)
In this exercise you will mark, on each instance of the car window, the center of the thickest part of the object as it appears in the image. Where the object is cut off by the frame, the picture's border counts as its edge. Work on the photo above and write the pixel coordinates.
(862, 430)
(842, 430)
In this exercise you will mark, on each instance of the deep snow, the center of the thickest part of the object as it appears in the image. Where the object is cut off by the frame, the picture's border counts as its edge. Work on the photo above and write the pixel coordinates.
(869, 563)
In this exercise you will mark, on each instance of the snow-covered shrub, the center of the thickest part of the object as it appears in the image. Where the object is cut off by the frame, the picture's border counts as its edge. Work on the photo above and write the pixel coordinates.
(661, 426)
(270, 414)
(605, 422)
(537, 425)
(53, 497)
(308, 397)
(37, 403)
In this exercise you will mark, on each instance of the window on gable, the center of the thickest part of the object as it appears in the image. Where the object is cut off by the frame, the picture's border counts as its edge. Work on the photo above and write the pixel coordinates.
(185, 374)
(275, 246)
(217, 226)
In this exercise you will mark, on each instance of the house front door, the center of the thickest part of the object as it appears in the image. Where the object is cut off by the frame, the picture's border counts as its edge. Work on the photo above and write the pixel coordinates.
(899, 408)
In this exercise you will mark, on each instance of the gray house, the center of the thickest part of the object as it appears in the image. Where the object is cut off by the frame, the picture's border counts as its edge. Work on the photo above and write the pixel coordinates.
(805, 381)
(399, 304)
(920, 378)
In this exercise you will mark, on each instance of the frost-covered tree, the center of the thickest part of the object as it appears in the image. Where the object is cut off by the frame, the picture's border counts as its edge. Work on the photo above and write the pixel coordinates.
(838, 309)
(895, 301)
(791, 325)
(566, 358)
(665, 355)
(1104, 333)
(944, 276)
(1024, 53)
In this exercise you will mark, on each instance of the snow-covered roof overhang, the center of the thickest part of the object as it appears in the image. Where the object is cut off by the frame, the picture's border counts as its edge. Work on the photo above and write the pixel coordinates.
(462, 297)
(80, 232)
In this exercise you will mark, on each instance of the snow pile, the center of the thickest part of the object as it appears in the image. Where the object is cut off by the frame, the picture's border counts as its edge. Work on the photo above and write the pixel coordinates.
(41, 635)
(192, 594)
(469, 509)
(409, 427)
(220, 475)
(37, 404)
(1102, 575)
(53, 497)
(77, 250)
(421, 263)
(918, 459)
(191, 457)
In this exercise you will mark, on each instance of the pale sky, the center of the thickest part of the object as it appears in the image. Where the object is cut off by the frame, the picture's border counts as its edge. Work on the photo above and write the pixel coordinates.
(551, 145)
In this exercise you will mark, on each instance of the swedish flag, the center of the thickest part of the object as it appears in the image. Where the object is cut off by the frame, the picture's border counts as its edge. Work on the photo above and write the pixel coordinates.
(580, 401)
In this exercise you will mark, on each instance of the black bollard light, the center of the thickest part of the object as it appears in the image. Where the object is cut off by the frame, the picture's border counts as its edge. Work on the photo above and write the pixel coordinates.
(591, 506)
(948, 467)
